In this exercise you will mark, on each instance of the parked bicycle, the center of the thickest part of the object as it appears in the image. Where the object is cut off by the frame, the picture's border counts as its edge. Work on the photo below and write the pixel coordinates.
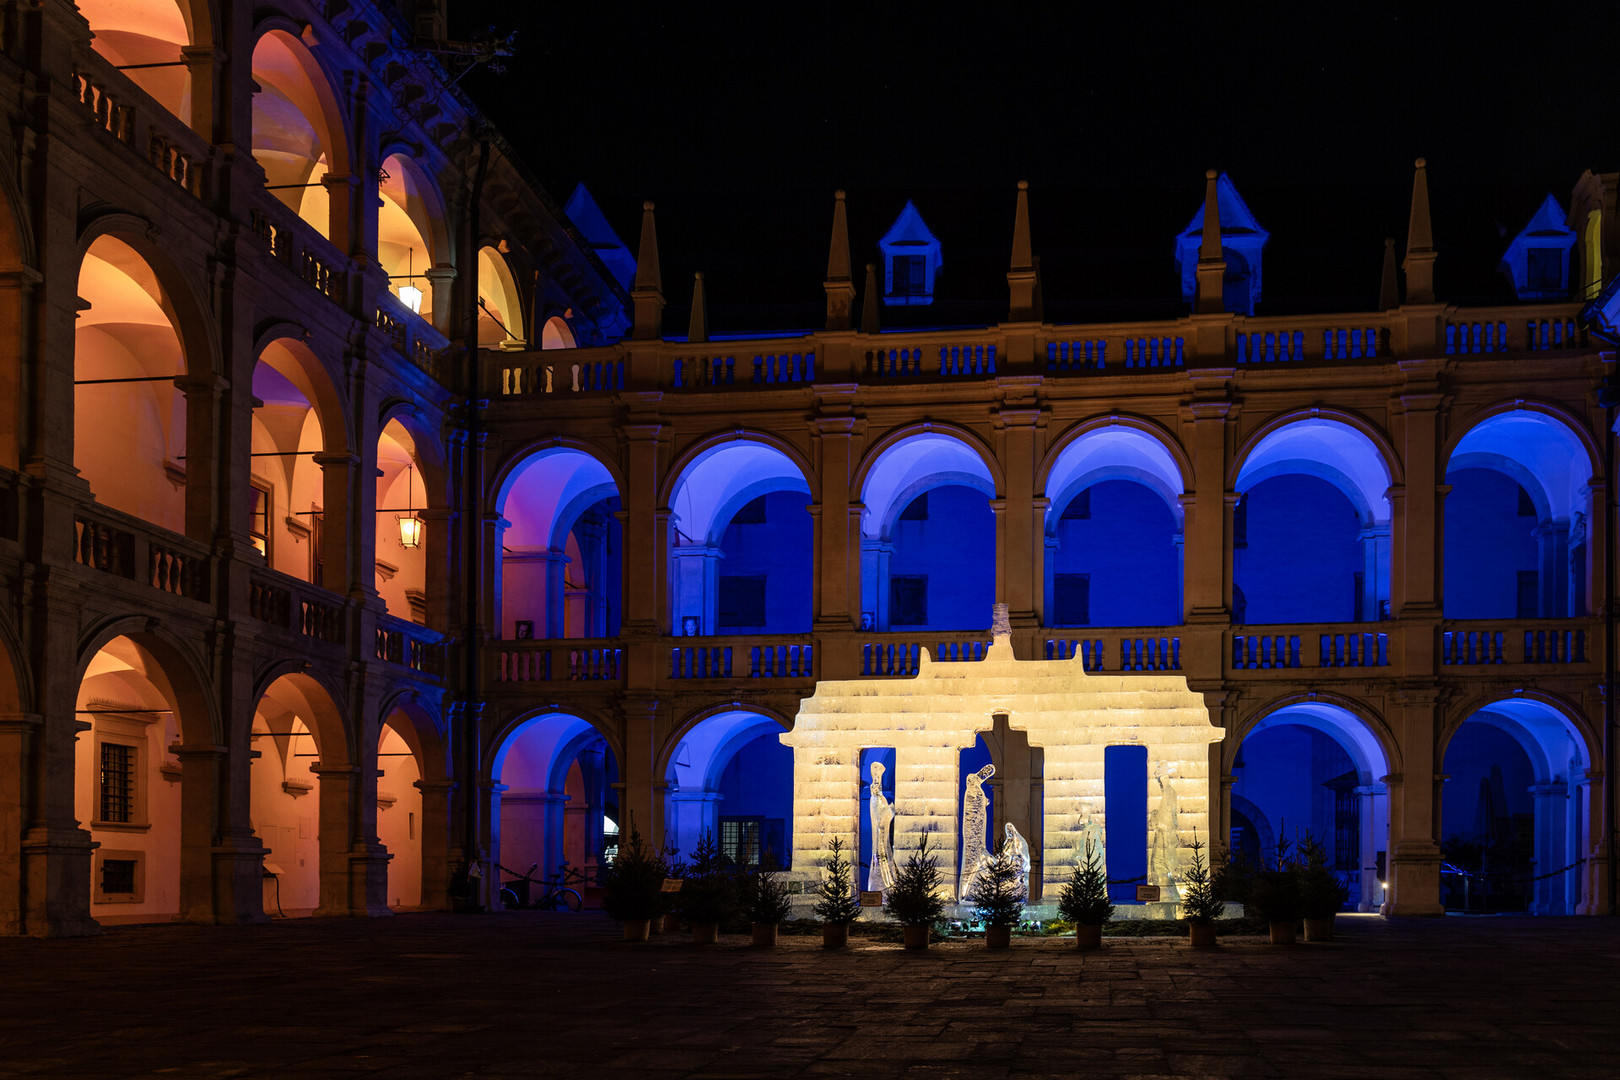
(556, 892)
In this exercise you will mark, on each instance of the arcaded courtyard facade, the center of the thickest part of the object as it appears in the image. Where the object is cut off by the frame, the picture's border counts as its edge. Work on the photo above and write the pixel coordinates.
(363, 521)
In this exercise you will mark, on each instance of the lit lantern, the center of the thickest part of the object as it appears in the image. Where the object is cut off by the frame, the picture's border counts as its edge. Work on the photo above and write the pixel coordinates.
(410, 526)
(409, 294)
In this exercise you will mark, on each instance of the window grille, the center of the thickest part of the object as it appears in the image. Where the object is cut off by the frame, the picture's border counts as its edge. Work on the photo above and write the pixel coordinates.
(117, 782)
(117, 877)
(908, 600)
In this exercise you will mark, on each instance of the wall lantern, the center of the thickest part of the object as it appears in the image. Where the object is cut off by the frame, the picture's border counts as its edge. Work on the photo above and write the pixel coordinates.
(411, 297)
(410, 526)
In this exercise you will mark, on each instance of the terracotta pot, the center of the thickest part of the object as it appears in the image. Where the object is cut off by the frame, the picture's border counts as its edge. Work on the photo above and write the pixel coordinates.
(1087, 938)
(1201, 935)
(635, 929)
(1319, 929)
(1284, 933)
(916, 937)
(834, 935)
(765, 934)
(705, 933)
(997, 937)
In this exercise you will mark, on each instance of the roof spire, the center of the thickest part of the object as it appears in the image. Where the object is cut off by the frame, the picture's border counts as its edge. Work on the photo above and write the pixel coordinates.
(1420, 253)
(1207, 297)
(840, 287)
(648, 292)
(1021, 272)
(698, 328)
(1389, 290)
(869, 306)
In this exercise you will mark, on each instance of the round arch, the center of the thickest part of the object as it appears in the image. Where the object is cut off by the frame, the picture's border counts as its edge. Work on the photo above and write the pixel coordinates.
(412, 237)
(557, 333)
(885, 470)
(1467, 426)
(1341, 447)
(1130, 442)
(184, 670)
(501, 321)
(729, 778)
(147, 41)
(518, 462)
(301, 134)
(312, 374)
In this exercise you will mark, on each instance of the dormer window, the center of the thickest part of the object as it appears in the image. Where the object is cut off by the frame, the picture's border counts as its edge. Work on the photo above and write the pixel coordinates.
(911, 260)
(1537, 261)
(1242, 243)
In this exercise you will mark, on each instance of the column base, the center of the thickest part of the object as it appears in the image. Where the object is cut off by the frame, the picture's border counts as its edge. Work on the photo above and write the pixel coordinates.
(56, 883)
(238, 886)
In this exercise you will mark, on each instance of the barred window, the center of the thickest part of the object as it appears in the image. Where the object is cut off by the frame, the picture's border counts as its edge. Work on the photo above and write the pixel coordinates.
(117, 876)
(117, 782)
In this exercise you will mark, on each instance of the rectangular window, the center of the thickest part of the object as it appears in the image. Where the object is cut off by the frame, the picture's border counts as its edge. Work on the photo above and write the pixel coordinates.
(117, 877)
(908, 600)
(1529, 594)
(1544, 269)
(1071, 597)
(740, 840)
(117, 782)
(742, 601)
(259, 521)
(910, 275)
(316, 567)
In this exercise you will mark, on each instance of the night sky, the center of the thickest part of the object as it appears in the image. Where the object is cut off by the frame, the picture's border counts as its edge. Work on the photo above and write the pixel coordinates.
(741, 122)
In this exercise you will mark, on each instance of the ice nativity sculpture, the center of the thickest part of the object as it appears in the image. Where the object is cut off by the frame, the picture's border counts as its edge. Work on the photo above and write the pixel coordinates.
(1036, 754)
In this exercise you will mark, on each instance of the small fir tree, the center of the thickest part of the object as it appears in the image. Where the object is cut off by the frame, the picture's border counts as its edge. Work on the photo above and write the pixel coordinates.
(710, 894)
(998, 895)
(1084, 900)
(1274, 894)
(837, 903)
(765, 895)
(1198, 902)
(914, 900)
(631, 882)
(1321, 891)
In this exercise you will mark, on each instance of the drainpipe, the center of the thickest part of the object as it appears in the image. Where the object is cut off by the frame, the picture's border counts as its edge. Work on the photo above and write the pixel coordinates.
(1609, 623)
(472, 508)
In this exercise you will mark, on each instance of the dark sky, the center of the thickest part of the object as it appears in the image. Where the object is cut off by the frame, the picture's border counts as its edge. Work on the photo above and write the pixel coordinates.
(740, 122)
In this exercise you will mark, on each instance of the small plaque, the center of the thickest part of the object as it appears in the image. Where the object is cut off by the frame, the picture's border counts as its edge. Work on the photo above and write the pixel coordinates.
(672, 884)
(1148, 894)
(871, 898)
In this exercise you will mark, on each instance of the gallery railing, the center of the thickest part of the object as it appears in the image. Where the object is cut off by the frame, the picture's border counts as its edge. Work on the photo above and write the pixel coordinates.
(1356, 645)
(306, 610)
(570, 660)
(127, 547)
(410, 645)
(1544, 642)
(113, 103)
(1138, 648)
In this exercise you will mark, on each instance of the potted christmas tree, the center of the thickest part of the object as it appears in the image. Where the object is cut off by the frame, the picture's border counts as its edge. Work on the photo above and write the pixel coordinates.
(766, 898)
(998, 897)
(1084, 900)
(1198, 903)
(914, 900)
(709, 896)
(837, 907)
(1321, 891)
(1274, 894)
(631, 884)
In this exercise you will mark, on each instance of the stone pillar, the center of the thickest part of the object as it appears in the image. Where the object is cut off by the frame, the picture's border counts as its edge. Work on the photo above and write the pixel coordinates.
(692, 814)
(593, 780)
(17, 732)
(436, 843)
(1418, 550)
(1552, 558)
(1208, 519)
(203, 63)
(591, 531)
(204, 394)
(875, 556)
(836, 556)
(1019, 533)
(695, 587)
(338, 794)
(641, 782)
(441, 285)
(556, 614)
(1547, 895)
(1414, 801)
(338, 525)
(1375, 571)
(1374, 836)
(646, 529)
(494, 533)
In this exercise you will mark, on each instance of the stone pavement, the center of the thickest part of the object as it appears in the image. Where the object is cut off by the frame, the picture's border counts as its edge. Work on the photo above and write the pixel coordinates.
(534, 994)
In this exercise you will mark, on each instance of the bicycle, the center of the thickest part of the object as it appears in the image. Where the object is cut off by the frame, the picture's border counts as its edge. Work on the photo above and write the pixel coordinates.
(557, 894)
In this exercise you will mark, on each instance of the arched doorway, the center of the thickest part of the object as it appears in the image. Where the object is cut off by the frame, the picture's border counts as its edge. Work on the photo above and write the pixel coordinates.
(730, 777)
(297, 139)
(928, 537)
(1516, 811)
(144, 39)
(1314, 768)
(740, 552)
(1114, 532)
(301, 818)
(410, 240)
(557, 784)
(286, 480)
(561, 552)
(129, 420)
(127, 788)
(1515, 545)
(399, 813)
(1311, 530)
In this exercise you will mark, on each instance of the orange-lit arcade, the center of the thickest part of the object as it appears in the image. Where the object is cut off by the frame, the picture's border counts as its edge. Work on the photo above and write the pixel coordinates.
(364, 523)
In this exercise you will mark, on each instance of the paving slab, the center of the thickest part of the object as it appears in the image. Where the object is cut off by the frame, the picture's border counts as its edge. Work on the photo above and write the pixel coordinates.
(542, 994)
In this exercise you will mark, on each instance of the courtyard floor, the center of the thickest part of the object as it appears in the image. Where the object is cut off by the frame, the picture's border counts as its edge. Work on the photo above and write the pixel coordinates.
(532, 994)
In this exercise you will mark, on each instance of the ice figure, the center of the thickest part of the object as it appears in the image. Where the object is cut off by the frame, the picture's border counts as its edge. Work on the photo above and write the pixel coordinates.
(880, 875)
(1018, 848)
(975, 820)
(1163, 829)
(1092, 830)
